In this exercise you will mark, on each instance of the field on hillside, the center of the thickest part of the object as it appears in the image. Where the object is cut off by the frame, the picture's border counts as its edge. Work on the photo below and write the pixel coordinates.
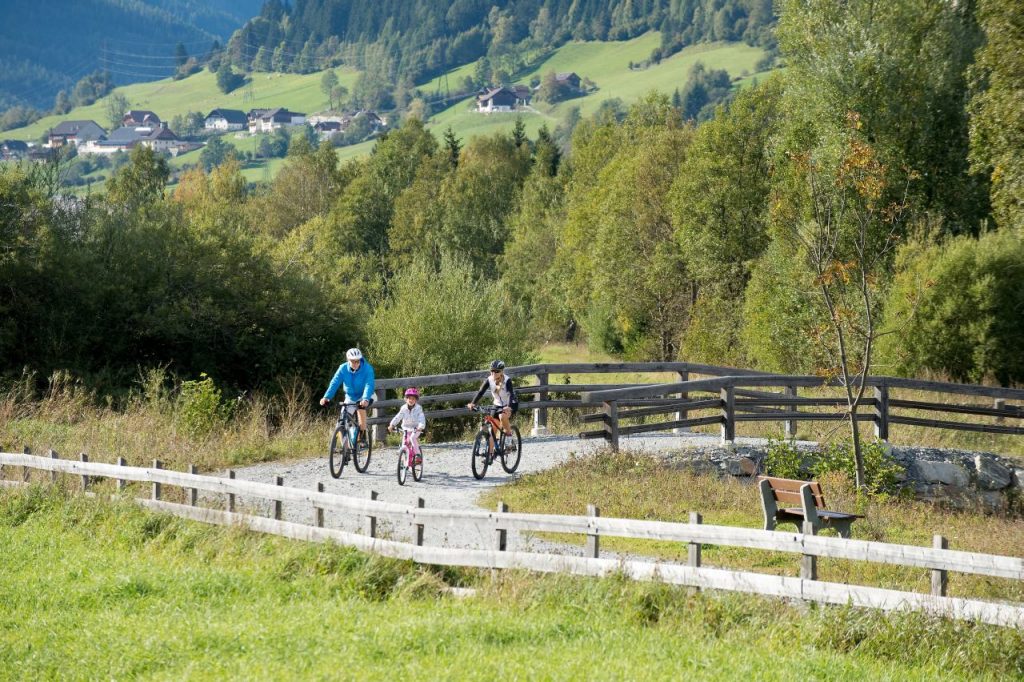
(199, 92)
(97, 589)
(607, 64)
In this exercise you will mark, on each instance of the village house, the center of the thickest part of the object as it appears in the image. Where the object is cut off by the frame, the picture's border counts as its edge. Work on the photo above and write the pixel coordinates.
(13, 149)
(269, 120)
(159, 138)
(523, 95)
(74, 132)
(325, 130)
(569, 78)
(226, 119)
(138, 118)
(496, 100)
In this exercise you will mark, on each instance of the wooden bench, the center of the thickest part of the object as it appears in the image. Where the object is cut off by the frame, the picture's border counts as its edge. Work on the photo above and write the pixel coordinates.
(778, 495)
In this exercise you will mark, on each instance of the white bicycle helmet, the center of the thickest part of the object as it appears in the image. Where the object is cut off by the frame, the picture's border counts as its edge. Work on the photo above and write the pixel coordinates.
(354, 354)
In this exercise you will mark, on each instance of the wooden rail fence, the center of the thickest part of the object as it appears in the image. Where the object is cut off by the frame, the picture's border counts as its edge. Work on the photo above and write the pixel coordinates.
(722, 396)
(939, 560)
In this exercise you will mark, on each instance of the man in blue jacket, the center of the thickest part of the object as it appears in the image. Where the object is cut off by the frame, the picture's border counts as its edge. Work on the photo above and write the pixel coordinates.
(356, 376)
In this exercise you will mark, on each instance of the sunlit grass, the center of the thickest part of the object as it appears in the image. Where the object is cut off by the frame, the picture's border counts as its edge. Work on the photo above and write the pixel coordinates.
(100, 590)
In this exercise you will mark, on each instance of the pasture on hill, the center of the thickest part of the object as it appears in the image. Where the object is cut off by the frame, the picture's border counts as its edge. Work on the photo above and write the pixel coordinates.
(605, 63)
(169, 98)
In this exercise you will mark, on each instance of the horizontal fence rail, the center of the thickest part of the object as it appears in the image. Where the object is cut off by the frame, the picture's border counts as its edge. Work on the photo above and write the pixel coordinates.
(709, 395)
(939, 560)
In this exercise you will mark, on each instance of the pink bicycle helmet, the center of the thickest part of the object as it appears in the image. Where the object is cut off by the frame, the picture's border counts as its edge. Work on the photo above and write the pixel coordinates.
(412, 392)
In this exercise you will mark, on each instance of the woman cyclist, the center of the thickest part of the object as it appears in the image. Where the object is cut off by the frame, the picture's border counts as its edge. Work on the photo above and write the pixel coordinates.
(356, 376)
(503, 393)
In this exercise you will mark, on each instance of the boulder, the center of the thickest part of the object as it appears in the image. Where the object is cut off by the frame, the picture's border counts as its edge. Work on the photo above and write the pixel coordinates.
(946, 473)
(991, 474)
(740, 466)
(1018, 479)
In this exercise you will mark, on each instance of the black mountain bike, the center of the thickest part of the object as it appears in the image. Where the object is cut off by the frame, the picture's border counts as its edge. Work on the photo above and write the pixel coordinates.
(491, 443)
(346, 444)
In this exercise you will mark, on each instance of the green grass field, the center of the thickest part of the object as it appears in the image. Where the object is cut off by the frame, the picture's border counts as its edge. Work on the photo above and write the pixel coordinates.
(605, 63)
(94, 589)
(199, 92)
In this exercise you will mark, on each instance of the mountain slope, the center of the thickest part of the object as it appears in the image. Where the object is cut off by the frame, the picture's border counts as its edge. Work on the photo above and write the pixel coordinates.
(48, 45)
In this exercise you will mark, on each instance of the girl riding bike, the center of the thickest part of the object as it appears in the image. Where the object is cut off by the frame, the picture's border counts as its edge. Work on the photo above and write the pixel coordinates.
(412, 419)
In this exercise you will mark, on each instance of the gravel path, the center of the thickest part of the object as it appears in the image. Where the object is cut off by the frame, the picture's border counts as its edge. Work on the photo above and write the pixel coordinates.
(447, 481)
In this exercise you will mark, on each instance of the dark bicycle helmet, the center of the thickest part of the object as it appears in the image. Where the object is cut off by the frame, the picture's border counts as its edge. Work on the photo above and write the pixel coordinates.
(497, 364)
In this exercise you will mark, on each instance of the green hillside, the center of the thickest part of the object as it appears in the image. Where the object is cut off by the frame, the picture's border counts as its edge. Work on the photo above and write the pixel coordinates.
(169, 98)
(607, 64)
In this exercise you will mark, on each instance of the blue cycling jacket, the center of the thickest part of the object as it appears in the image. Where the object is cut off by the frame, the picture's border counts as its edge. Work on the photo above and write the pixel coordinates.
(358, 384)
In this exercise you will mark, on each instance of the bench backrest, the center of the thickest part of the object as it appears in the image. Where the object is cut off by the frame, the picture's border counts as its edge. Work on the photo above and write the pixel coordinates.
(787, 491)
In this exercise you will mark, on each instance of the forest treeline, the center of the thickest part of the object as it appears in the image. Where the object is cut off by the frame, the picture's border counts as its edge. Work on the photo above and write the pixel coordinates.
(872, 192)
(397, 43)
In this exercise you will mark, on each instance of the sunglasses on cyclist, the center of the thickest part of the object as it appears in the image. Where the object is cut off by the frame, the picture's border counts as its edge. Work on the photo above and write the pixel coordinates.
(497, 371)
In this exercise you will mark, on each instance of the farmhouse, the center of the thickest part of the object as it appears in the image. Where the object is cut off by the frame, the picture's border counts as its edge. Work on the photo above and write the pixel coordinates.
(75, 132)
(495, 100)
(327, 129)
(269, 120)
(569, 78)
(226, 119)
(160, 139)
(13, 149)
(523, 95)
(140, 117)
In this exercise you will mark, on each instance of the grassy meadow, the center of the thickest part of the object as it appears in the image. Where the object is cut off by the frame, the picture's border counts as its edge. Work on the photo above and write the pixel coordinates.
(103, 589)
(635, 485)
(605, 63)
(199, 92)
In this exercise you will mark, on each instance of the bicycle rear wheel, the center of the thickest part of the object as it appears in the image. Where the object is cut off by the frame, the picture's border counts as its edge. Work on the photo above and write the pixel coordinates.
(480, 456)
(362, 455)
(512, 452)
(336, 456)
(417, 466)
(403, 470)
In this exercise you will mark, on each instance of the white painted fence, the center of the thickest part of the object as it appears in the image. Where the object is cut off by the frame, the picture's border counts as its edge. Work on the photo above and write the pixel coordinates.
(498, 523)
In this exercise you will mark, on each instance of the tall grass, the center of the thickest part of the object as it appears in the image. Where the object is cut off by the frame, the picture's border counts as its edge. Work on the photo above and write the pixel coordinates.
(96, 589)
(148, 424)
(638, 486)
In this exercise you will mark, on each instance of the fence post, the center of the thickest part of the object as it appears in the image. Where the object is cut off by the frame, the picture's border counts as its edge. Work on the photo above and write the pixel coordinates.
(120, 482)
(728, 415)
(502, 540)
(53, 474)
(882, 413)
(999, 404)
(940, 578)
(372, 518)
(25, 470)
(540, 414)
(809, 562)
(84, 458)
(611, 424)
(318, 512)
(193, 493)
(231, 496)
(693, 548)
(593, 539)
(278, 480)
(156, 486)
(420, 503)
(789, 426)
(683, 414)
(380, 431)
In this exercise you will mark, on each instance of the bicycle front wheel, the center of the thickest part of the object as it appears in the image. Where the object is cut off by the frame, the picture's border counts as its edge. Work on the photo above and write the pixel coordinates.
(336, 454)
(362, 454)
(403, 470)
(512, 452)
(480, 456)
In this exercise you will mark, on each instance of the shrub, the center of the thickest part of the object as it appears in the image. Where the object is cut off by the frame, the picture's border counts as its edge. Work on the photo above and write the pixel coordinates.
(784, 459)
(958, 307)
(200, 407)
(881, 472)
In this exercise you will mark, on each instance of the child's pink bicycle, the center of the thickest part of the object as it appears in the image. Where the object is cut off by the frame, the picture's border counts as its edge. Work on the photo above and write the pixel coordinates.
(410, 456)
